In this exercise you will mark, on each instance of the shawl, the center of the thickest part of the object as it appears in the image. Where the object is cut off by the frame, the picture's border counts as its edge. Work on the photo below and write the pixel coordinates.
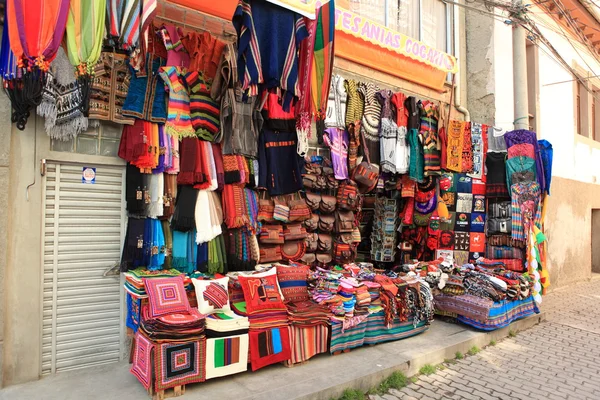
(303, 106)
(496, 175)
(218, 158)
(60, 99)
(322, 63)
(8, 63)
(546, 153)
(157, 189)
(34, 39)
(454, 150)
(202, 217)
(234, 206)
(524, 136)
(184, 251)
(467, 150)
(154, 252)
(133, 252)
(168, 244)
(217, 258)
(183, 217)
(84, 36)
(429, 136)
(160, 154)
(170, 194)
(175, 157)
(216, 214)
(134, 191)
(231, 169)
(190, 158)
(241, 250)
(123, 18)
(202, 257)
(132, 143)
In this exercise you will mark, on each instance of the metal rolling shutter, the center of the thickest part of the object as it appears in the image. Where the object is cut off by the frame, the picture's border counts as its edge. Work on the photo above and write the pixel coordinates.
(82, 309)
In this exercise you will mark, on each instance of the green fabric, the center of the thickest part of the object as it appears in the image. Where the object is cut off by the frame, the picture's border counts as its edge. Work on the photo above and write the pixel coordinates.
(519, 164)
(85, 32)
(219, 353)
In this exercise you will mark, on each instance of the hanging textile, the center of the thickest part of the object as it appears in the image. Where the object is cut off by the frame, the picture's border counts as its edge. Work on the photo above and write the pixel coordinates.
(322, 64)
(303, 107)
(34, 39)
(84, 36)
(123, 18)
(8, 63)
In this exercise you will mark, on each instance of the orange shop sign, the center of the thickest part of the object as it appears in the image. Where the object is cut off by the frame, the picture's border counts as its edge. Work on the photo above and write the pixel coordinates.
(372, 32)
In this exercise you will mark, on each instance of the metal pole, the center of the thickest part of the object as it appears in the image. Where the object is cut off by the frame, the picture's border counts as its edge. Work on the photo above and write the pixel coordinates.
(519, 40)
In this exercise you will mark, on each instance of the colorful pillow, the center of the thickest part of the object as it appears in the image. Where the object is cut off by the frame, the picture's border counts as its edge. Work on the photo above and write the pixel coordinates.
(269, 346)
(212, 295)
(261, 292)
(292, 281)
(226, 356)
(166, 296)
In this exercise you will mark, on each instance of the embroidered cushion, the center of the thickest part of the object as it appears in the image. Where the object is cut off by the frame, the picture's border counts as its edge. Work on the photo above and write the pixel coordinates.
(261, 292)
(292, 281)
(166, 296)
(212, 295)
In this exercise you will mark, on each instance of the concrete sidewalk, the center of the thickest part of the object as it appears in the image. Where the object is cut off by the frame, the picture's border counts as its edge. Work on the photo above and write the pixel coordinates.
(323, 377)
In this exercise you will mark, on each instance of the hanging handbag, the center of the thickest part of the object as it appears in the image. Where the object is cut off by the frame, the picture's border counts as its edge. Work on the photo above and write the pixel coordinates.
(309, 259)
(499, 225)
(299, 211)
(344, 221)
(266, 208)
(366, 174)
(314, 182)
(271, 234)
(347, 196)
(327, 204)
(343, 252)
(312, 242)
(293, 250)
(500, 209)
(326, 223)
(323, 259)
(324, 243)
(270, 254)
(294, 232)
(313, 200)
(281, 211)
(312, 224)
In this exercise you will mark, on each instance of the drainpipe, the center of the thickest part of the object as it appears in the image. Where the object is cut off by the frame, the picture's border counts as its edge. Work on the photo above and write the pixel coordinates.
(519, 41)
(457, 98)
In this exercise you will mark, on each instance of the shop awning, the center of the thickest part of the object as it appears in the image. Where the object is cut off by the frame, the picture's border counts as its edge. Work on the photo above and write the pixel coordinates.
(362, 41)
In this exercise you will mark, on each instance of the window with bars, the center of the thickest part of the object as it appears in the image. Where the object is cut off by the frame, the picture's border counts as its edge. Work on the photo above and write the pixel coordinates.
(101, 139)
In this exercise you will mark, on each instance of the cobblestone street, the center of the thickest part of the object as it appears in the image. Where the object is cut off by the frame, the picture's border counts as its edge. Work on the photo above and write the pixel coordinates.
(558, 359)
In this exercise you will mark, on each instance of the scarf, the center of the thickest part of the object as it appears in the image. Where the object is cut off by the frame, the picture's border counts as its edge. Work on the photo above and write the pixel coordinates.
(183, 217)
(168, 243)
(202, 258)
(170, 194)
(156, 245)
(184, 251)
(305, 63)
(132, 144)
(203, 169)
(84, 36)
(175, 157)
(218, 158)
(546, 154)
(160, 154)
(216, 214)
(203, 220)
(157, 190)
(231, 169)
(60, 99)
(34, 39)
(134, 191)
(190, 157)
(133, 248)
(234, 206)
(240, 251)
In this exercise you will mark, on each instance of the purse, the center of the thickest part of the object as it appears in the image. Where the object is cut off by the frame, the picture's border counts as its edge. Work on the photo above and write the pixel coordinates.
(312, 224)
(282, 211)
(344, 252)
(312, 242)
(293, 250)
(344, 221)
(324, 243)
(323, 259)
(266, 208)
(366, 174)
(315, 182)
(327, 204)
(499, 225)
(347, 196)
(500, 209)
(326, 223)
(270, 254)
(309, 259)
(271, 234)
(332, 183)
(294, 232)
(346, 238)
(299, 211)
(313, 200)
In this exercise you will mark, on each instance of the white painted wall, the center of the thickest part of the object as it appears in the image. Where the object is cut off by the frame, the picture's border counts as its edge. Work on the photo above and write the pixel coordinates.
(575, 157)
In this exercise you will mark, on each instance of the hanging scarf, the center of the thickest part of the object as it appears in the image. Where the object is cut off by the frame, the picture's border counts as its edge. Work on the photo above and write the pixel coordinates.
(219, 165)
(36, 28)
(134, 191)
(322, 64)
(157, 189)
(455, 145)
(123, 18)
(170, 195)
(190, 156)
(232, 173)
(234, 206)
(8, 62)
(183, 218)
(303, 106)
(168, 244)
(175, 155)
(184, 251)
(133, 249)
(84, 35)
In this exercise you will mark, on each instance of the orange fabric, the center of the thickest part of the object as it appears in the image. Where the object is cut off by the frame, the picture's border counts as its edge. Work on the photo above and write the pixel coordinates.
(205, 53)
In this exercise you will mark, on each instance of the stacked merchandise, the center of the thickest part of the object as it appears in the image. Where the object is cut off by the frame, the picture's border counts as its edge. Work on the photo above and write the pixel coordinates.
(383, 237)
(369, 307)
(227, 339)
(170, 345)
(485, 297)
